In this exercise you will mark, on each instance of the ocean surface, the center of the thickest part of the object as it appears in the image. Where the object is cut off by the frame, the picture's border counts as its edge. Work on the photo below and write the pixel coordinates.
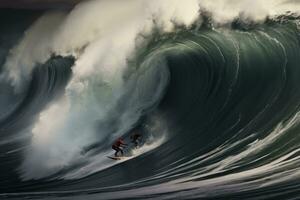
(217, 105)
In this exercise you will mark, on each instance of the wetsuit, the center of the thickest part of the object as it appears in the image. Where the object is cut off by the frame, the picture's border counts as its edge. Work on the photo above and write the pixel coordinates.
(134, 138)
(116, 146)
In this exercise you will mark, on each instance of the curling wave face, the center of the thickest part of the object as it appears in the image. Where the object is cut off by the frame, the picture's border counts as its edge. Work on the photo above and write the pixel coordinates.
(220, 105)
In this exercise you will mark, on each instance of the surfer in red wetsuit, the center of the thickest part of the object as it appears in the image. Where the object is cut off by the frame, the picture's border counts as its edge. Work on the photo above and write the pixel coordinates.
(117, 146)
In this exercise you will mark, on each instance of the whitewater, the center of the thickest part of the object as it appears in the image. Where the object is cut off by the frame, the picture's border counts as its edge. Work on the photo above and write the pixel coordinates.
(212, 85)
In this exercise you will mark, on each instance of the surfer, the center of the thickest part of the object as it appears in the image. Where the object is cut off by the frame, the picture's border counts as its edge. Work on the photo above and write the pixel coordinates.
(135, 138)
(117, 146)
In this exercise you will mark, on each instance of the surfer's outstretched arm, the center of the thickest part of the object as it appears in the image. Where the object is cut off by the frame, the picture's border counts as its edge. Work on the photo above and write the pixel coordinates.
(123, 144)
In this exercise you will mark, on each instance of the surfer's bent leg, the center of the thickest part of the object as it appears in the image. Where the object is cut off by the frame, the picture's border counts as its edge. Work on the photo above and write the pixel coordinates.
(116, 149)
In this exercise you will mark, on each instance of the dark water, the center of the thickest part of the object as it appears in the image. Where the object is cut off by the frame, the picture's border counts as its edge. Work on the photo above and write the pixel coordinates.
(230, 106)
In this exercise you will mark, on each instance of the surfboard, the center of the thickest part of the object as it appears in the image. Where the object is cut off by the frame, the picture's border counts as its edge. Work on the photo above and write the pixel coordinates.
(116, 158)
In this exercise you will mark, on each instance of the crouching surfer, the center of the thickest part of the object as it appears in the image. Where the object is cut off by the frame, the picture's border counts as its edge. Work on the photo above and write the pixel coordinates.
(135, 138)
(118, 145)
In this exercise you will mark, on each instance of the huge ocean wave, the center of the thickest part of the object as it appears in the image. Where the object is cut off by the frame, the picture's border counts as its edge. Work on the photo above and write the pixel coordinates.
(217, 104)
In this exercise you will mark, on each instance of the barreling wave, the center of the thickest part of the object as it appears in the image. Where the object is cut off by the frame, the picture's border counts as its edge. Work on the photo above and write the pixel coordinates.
(225, 101)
